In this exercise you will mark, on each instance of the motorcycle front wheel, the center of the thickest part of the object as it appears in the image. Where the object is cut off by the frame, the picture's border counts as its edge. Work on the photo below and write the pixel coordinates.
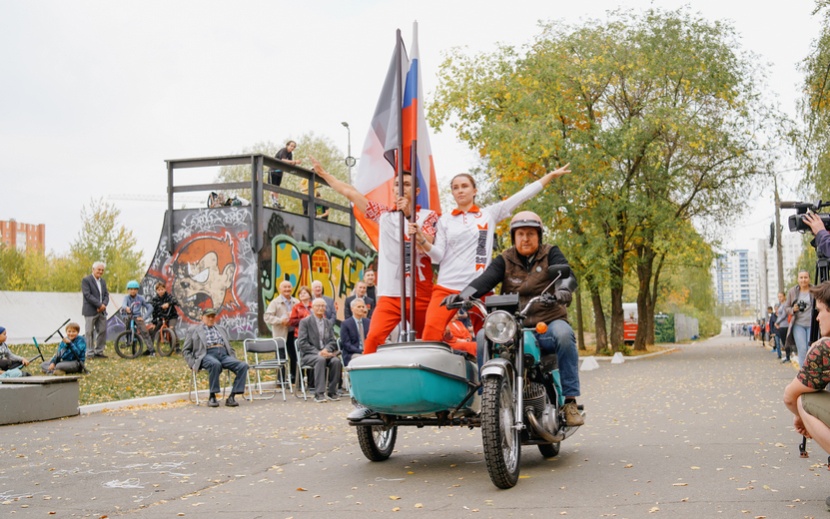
(502, 446)
(377, 442)
(129, 345)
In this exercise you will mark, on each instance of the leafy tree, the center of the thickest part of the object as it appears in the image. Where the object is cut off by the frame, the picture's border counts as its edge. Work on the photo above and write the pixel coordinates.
(658, 115)
(814, 139)
(101, 239)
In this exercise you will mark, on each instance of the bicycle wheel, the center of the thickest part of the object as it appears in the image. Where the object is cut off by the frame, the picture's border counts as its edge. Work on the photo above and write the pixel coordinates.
(166, 342)
(128, 345)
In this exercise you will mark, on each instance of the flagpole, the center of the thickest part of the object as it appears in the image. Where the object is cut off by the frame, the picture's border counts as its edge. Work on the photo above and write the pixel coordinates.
(399, 175)
(413, 159)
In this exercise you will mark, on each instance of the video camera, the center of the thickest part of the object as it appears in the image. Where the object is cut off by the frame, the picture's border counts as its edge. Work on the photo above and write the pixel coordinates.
(796, 221)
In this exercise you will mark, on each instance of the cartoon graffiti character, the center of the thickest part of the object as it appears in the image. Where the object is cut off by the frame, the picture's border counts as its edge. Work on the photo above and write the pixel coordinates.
(203, 274)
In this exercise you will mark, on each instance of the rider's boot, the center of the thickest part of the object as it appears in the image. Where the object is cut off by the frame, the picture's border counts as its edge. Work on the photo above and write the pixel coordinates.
(573, 417)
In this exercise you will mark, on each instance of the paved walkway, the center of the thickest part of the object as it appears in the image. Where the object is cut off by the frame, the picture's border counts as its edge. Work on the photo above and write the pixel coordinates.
(700, 432)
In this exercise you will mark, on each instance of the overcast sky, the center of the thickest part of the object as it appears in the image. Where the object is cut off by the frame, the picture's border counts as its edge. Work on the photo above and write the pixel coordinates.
(95, 95)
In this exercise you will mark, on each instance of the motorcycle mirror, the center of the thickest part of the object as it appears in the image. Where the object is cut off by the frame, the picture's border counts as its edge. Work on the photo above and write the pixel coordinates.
(561, 271)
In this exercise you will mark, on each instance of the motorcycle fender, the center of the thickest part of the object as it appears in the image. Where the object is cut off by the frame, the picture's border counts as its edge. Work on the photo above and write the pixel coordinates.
(496, 367)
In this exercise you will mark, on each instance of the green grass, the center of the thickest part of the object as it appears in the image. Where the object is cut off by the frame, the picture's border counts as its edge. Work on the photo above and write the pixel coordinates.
(122, 379)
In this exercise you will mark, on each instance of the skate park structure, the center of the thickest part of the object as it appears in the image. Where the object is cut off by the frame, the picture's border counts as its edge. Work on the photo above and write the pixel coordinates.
(232, 258)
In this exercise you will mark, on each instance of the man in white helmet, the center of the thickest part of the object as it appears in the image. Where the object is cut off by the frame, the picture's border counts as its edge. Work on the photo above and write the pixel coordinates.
(523, 269)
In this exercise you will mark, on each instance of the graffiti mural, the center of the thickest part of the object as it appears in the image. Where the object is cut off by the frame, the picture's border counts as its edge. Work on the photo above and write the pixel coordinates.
(212, 266)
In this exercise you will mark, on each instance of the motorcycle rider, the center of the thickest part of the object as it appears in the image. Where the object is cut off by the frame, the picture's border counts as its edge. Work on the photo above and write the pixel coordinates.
(522, 269)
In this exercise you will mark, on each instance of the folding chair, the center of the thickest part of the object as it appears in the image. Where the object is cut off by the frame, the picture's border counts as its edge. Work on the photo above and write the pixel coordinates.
(279, 363)
(302, 372)
(195, 390)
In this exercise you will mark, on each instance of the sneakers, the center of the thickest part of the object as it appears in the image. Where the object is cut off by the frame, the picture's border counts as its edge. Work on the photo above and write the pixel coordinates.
(320, 399)
(212, 401)
(572, 416)
(333, 398)
(359, 413)
(785, 361)
(231, 402)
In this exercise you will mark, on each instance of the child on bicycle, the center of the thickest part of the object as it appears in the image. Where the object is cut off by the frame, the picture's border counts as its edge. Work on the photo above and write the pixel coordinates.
(71, 353)
(164, 308)
(135, 305)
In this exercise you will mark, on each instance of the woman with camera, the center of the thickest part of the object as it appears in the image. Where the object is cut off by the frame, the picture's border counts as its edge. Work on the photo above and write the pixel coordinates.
(799, 304)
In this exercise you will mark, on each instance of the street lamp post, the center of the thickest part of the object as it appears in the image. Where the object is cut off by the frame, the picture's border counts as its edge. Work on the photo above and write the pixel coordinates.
(350, 161)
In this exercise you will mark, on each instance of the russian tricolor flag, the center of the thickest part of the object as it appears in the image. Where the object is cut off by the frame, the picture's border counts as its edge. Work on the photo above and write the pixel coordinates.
(398, 121)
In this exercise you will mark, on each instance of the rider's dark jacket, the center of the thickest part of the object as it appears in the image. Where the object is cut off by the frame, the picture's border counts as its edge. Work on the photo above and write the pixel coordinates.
(526, 276)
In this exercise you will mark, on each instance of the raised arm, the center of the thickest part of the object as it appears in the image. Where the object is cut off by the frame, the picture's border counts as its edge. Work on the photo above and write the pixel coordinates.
(356, 197)
(555, 173)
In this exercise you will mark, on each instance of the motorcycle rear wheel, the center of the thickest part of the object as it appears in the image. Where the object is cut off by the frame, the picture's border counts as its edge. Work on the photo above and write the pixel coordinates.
(549, 450)
(377, 442)
(502, 445)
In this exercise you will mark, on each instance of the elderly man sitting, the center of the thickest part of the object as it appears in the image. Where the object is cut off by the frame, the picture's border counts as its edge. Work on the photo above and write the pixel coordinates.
(318, 347)
(207, 347)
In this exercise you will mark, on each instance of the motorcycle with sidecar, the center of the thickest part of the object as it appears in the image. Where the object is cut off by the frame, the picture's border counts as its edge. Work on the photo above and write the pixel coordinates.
(515, 397)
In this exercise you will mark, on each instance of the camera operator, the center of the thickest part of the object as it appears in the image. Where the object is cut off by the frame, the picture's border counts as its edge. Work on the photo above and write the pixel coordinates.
(822, 236)
(799, 304)
(805, 396)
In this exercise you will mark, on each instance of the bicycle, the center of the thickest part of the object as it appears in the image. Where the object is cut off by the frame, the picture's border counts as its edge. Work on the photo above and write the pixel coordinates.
(129, 344)
(166, 340)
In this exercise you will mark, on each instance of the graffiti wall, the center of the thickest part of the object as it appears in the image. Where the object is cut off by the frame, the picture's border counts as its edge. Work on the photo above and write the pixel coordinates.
(213, 264)
(290, 255)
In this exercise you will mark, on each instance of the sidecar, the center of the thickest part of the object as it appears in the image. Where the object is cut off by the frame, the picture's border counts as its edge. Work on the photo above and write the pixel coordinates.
(415, 379)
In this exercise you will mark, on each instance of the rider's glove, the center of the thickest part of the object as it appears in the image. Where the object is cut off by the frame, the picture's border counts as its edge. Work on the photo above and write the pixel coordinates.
(563, 296)
(451, 299)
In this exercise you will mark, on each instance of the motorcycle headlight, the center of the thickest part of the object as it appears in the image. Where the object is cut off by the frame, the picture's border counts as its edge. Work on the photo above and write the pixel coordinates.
(500, 327)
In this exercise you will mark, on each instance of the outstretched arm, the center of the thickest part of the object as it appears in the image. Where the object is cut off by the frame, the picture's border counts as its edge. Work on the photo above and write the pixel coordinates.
(356, 197)
(555, 173)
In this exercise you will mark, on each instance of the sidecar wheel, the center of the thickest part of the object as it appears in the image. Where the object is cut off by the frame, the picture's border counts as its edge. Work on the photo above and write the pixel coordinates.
(377, 442)
(549, 450)
(502, 446)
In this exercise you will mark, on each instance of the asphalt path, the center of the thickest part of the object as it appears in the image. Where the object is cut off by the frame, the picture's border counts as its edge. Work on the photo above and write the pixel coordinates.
(699, 432)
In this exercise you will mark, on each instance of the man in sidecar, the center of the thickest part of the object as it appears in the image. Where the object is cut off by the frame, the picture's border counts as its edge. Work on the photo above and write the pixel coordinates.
(523, 269)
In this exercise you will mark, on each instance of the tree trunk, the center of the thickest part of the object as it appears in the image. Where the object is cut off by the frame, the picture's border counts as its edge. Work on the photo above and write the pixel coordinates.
(655, 291)
(599, 316)
(645, 262)
(616, 283)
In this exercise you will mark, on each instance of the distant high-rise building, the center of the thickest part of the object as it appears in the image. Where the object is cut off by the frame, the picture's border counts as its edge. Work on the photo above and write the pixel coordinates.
(735, 277)
(23, 236)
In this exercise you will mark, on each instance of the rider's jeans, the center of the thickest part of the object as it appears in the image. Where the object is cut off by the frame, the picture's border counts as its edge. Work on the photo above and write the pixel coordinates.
(560, 339)
(801, 334)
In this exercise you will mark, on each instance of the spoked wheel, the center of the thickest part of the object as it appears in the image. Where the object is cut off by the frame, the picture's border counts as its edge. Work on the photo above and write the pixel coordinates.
(502, 446)
(166, 342)
(549, 450)
(377, 442)
(129, 345)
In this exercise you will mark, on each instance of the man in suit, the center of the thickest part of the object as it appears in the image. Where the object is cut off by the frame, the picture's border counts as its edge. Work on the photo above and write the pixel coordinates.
(353, 331)
(208, 347)
(94, 310)
(319, 349)
(359, 293)
(371, 289)
(331, 306)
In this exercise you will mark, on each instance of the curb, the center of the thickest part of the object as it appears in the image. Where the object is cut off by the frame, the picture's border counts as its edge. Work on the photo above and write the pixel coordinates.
(636, 357)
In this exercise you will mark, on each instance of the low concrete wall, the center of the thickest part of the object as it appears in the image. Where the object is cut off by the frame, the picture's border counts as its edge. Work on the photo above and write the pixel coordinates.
(31, 399)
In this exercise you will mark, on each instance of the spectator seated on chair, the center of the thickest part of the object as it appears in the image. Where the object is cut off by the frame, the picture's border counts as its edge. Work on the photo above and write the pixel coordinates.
(207, 347)
(9, 360)
(318, 348)
(71, 353)
(351, 338)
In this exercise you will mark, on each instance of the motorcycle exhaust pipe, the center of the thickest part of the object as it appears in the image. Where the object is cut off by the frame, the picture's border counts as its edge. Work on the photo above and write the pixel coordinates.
(541, 431)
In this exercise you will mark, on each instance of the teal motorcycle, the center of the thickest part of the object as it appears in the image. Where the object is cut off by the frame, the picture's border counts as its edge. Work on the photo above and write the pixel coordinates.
(515, 396)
